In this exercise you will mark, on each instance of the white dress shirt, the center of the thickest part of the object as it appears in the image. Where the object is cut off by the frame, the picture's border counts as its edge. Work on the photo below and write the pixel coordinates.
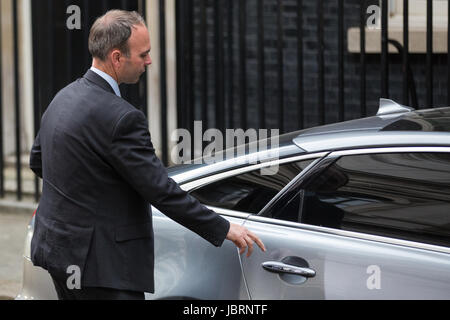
(108, 79)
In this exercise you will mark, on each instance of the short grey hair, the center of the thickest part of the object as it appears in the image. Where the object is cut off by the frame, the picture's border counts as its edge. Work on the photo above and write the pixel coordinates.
(112, 31)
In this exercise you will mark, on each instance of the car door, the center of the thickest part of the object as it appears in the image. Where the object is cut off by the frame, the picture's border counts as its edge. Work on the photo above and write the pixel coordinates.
(371, 224)
(235, 194)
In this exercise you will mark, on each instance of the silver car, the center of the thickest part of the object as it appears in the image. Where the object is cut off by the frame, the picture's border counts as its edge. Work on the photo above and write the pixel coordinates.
(354, 210)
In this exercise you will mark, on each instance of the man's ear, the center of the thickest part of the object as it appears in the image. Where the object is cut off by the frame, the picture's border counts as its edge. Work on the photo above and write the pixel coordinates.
(115, 57)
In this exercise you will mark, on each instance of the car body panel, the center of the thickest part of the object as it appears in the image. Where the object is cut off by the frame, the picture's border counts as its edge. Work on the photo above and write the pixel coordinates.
(36, 283)
(184, 263)
(346, 267)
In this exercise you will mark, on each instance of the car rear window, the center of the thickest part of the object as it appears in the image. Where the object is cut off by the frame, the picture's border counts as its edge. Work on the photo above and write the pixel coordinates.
(248, 192)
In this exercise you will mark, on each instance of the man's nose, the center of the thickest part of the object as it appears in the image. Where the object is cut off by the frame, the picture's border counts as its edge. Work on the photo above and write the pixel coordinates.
(149, 61)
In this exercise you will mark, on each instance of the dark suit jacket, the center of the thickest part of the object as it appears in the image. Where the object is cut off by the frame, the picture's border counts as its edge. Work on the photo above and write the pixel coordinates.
(100, 173)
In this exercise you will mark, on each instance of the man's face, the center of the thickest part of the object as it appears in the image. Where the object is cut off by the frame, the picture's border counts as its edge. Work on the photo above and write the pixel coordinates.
(134, 65)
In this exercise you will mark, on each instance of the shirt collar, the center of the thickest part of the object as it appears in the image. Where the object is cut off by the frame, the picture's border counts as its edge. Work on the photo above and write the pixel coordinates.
(108, 79)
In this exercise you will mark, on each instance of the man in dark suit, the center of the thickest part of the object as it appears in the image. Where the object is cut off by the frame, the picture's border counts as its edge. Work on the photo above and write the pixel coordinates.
(100, 172)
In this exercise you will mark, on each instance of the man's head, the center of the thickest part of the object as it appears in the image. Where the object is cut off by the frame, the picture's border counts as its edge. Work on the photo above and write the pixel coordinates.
(119, 43)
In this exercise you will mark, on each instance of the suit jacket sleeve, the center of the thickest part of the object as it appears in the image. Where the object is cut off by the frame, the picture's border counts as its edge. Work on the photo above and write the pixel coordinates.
(133, 156)
(36, 158)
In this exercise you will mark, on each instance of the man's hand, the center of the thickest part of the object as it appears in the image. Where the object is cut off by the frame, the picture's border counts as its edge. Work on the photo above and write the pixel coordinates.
(243, 238)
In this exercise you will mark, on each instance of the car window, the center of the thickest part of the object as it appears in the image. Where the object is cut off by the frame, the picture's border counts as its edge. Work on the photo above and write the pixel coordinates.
(399, 195)
(251, 191)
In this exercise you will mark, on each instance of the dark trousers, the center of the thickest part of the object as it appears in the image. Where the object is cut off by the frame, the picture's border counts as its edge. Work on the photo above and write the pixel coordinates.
(93, 293)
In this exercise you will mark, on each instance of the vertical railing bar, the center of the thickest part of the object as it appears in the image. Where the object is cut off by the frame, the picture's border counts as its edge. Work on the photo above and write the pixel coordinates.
(104, 6)
(85, 17)
(341, 60)
(429, 68)
(405, 52)
(2, 165)
(230, 65)
(320, 61)
(448, 54)
(183, 76)
(17, 103)
(300, 103)
(141, 7)
(362, 49)
(163, 80)
(204, 63)
(243, 62)
(181, 107)
(68, 49)
(261, 65)
(182, 103)
(219, 66)
(280, 44)
(50, 57)
(190, 67)
(182, 53)
(143, 96)
(36, 21)
(384, 50)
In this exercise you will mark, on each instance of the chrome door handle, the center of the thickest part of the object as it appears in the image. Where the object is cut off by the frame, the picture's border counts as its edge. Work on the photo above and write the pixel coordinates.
(280, 267)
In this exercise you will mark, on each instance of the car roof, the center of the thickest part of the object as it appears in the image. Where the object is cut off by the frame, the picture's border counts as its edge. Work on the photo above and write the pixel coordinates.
(396, 127)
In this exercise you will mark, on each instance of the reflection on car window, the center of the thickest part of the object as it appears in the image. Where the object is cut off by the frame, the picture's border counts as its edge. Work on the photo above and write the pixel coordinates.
(248, 192)
(401, 195)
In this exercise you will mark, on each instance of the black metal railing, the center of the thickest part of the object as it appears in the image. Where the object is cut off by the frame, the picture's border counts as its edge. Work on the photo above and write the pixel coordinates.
(241, 43)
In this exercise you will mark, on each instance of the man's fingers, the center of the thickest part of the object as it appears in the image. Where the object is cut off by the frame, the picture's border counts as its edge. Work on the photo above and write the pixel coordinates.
(249, 245)
(258, 241)
(243, 239)
(246, 244)
(241, 244)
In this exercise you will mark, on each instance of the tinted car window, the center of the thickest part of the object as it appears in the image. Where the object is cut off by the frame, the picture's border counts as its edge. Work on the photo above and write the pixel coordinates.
(401, 195)
(248, 192)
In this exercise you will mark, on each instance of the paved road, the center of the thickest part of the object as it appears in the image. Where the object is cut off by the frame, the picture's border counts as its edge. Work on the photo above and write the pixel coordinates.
(13, 227)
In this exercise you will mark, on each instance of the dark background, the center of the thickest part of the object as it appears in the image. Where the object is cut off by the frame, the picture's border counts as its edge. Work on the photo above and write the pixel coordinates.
(61, 55)
(235, 70)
